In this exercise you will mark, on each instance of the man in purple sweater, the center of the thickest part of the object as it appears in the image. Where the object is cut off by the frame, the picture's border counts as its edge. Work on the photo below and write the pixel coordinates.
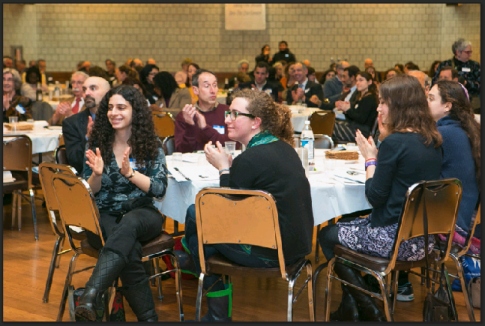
(198, 124)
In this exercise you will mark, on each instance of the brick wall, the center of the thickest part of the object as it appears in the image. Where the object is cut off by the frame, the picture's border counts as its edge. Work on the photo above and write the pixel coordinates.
(64, 34)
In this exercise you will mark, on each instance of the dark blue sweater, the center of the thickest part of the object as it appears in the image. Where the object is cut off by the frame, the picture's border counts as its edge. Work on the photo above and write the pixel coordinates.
(458, 163)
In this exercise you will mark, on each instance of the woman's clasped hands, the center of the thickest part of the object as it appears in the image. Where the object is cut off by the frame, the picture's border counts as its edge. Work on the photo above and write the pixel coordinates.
(216, 156)
(367, 147)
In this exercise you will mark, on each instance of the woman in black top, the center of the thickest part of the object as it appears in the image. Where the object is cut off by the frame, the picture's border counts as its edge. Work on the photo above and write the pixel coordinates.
(269, 163)
(411, 152)
(146, 77)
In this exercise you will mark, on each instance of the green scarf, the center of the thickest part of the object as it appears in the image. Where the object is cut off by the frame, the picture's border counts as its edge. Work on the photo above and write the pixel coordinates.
(264, 137)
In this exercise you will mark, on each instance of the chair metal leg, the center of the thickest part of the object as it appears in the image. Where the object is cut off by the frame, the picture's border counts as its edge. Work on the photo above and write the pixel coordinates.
(289, 313)
(315, 278)
(62, 305)
(464, 289)
(450, 294)
(34, 214)
(178, 286)
(14, 207)
(19, 210)
(50, 273)
(198, 301)
(158, 278)
(328, 294)
(311, 302)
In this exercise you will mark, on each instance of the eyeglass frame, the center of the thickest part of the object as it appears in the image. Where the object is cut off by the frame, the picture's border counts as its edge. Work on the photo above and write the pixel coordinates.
(236, 114)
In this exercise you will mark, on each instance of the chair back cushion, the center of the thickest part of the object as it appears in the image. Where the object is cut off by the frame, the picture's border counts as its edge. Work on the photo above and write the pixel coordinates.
(164, 124)
(17, 155)
(322, 122)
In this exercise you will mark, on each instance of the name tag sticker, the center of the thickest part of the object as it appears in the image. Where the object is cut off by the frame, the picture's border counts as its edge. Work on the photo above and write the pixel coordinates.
(307, 90)
(465, 69)
(20, 109)
(133, 163)
(219, 129)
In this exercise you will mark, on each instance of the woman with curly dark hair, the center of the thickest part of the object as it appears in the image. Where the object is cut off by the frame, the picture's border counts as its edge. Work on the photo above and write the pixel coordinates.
(269, 163)
(171, 98)
(146, 77)
(125, 167)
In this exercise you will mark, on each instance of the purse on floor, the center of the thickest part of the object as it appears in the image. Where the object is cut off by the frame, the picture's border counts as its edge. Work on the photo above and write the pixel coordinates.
(474, 291)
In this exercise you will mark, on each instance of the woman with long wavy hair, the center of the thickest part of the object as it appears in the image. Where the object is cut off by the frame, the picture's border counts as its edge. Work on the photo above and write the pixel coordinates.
(125, 167)
(411, 152)
(451, 109)
(269, 163)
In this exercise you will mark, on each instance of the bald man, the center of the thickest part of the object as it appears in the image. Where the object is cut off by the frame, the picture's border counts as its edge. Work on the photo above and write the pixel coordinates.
(77, 128)
(423, 78)
(368, 63)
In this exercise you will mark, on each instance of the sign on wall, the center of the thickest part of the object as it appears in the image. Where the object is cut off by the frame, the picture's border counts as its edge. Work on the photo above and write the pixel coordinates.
(244, 17)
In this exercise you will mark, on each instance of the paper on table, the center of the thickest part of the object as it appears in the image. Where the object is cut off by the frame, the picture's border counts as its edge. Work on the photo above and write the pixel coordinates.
(176, 174)
(356, 176)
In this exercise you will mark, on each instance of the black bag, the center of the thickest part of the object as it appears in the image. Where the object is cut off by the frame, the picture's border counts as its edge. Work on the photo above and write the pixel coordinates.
(437, 306)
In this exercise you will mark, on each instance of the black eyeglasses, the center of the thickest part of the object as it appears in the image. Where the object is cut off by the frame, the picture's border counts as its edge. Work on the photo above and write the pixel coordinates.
(235, 114)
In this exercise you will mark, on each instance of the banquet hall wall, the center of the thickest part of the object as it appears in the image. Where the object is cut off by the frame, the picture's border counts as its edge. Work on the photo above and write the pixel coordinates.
(64, 34)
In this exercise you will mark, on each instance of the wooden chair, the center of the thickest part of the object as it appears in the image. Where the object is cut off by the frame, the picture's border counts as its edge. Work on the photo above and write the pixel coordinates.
(250, 217)
(168, 145)
(164, 124)
(442, 199)
(458, 251)
(83, 213)
(322, 122)
(60, 154)
(17, 157)
(46, 175)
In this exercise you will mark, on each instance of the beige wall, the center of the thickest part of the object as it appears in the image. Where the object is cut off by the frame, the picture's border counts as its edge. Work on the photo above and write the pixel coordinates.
(64, 34)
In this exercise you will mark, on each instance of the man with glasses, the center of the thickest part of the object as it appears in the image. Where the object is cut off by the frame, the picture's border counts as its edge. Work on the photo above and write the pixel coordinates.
(468, 70)
(198, 124)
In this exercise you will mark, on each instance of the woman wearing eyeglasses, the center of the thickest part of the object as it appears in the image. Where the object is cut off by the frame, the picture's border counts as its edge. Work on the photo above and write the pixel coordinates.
(269, 163)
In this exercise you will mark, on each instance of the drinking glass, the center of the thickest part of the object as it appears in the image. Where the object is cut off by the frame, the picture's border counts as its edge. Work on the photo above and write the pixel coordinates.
(13, 122)
(230, 147)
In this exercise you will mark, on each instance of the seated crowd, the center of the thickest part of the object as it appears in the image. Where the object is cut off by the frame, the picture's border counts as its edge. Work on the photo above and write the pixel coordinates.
(111, 142)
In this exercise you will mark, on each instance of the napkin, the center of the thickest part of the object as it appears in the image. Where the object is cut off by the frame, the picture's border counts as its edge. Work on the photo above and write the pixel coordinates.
(7, 176)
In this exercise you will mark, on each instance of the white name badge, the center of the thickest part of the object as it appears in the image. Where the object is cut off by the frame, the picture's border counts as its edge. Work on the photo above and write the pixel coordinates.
(20, 109)
(133, 164)
(307, 90)
(465, 69)
(219, 129)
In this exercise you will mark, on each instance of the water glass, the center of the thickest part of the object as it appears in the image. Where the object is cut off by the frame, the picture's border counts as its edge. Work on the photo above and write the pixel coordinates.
(230, 147)
(13, 122)
(303, 155)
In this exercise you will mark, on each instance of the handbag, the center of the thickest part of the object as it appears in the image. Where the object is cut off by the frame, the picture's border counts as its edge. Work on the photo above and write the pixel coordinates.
(437, 306)
(474, 291)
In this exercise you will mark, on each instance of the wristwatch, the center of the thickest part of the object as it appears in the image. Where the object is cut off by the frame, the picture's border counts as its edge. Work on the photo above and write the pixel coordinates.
(131, 175)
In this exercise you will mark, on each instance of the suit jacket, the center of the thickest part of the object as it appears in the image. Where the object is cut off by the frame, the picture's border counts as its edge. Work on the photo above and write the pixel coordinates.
(178, 100)
(270, 88)
(311, 88)
(74, 130)
(332, 90)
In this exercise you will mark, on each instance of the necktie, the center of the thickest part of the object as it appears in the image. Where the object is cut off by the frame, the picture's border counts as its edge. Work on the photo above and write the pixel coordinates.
(75, 108)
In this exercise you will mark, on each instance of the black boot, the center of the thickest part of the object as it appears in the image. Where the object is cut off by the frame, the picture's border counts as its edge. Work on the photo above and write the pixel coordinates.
(347, 311)
(107, 269)
(220, 305)
(140, 299)
(368, 310)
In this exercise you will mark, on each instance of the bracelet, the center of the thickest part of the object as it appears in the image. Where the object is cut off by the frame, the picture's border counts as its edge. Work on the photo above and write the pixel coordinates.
(131, 175)
(367, 164)
(371, 159)
(221, 171)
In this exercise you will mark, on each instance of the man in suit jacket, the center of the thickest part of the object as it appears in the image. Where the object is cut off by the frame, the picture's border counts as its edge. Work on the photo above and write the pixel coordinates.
(305, 91)
(73, 105)
(261, 82)
(76, 128)
(333, 88)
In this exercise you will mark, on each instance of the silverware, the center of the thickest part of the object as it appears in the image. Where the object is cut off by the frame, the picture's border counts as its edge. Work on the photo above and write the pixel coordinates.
(349, 179)
(176, 169)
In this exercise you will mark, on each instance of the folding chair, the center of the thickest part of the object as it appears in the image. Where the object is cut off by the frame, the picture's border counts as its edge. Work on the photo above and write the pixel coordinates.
(60, 155)
(17, 157)
(83, 213)
(458, 251)
(168, 145)
(322, 122)
(442, 199)
(250, 217)
(164, 124)
(46, 175)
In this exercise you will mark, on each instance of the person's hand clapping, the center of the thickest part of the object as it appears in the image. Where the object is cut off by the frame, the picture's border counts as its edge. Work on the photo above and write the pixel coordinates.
(201, 122)
(90, 127)
(366, 146)
(125, 163)
(95, 161)
(188, 113)
(217, 157)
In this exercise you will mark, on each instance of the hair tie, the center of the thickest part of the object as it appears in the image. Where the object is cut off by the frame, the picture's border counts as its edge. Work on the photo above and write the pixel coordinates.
(466, 92)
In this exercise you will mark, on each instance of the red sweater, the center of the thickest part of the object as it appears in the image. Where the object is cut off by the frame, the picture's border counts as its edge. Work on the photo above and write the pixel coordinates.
(190, 138)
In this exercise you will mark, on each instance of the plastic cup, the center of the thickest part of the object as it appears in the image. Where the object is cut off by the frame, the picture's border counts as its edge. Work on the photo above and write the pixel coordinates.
(13, 122)
(230, 147)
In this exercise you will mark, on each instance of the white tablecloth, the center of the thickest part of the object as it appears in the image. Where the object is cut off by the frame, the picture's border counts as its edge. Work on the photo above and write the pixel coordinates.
(43, 140)
(331, 195)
